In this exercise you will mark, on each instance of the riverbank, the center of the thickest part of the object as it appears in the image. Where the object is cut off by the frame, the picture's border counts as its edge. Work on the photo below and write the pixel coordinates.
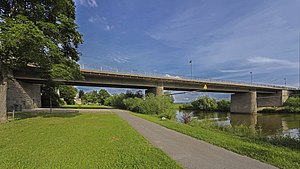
(279, 110)
(279, 156)
(73, 140)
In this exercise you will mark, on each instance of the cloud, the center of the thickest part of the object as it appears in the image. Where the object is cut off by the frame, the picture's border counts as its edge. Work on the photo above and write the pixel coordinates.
(109, 27)
(233, 70)
(121, 59)
(267, 60)
(172, 76)
(90, 3)
(97, 18)
(102, 21)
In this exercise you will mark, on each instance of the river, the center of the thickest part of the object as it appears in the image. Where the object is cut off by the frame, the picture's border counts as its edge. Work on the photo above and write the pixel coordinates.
(270, 124)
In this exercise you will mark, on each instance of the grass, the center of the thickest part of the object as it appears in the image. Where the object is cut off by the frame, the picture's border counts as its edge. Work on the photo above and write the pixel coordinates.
(76, 141)
(279, 156)
(284, 109)
(88, 106)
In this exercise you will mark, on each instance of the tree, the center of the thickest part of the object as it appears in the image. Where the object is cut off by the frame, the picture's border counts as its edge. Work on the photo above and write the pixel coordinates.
(68, 93)
(81, 93)
(102, 95)
(42, 34)
(90, 97)
(205, 103)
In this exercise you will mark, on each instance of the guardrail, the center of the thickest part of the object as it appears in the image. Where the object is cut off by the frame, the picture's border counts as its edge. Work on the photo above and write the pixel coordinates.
(173, 76)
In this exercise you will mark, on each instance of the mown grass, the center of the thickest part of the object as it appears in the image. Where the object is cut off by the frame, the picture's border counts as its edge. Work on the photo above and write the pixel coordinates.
(76, 141)
(279, 156)
(88, 106)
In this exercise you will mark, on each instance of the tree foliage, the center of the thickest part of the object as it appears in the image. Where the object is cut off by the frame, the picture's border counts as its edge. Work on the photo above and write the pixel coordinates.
(68, 93)
(81, 93)
(211, 104)
(102, 95)
(293, 102)
(40, 33)
(90, 97)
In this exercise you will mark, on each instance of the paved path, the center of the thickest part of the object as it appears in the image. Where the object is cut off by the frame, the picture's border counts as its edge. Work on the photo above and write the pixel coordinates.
(188, 151)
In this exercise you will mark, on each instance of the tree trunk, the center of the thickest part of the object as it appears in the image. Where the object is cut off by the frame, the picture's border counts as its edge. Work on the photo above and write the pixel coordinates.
(3, 95)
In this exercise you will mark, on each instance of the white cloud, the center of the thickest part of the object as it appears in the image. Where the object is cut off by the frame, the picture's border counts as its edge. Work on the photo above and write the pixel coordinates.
(90, 3)
(267, 60)
(172, 76)
(109, 27)
(233, 70)
(121, 59)
(95, 19)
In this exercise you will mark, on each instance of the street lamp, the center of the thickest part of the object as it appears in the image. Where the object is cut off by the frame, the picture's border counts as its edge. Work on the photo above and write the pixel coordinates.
(285, 81)
(191, 62)
(251, 77)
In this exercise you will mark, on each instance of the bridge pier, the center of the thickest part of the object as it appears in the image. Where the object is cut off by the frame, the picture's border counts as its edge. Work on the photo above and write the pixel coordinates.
(22, 95)
(3, 96)
(243, 103)
(157, 91)
(272, 100)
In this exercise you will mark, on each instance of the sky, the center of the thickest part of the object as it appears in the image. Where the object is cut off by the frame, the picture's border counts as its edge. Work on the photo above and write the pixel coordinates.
(225, 39)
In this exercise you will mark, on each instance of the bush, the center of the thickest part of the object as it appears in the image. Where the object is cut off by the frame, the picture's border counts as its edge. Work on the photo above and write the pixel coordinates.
(292, 102)
(223, 105)
(161, 106)
(133, 104)
(116, 101)
(205, 103)
(210, 104)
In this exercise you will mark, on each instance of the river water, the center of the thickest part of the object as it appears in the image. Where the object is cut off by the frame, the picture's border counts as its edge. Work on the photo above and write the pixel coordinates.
(269, 124)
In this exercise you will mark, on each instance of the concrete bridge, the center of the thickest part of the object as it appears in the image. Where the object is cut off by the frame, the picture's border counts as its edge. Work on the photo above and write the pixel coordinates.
(24, 88)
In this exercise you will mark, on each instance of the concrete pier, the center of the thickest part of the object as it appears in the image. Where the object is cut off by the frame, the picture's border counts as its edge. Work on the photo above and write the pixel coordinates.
(158, 91)
(243, 103)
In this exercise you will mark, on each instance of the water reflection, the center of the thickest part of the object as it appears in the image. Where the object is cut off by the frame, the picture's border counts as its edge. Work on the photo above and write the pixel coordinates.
(270, 124)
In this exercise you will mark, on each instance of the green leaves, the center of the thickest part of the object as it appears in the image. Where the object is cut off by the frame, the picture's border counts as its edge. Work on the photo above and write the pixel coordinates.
(40, 33)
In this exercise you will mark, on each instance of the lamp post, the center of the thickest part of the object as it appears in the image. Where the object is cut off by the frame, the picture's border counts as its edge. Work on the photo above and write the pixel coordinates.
(191, 62)
(285, 81)
(251, 77)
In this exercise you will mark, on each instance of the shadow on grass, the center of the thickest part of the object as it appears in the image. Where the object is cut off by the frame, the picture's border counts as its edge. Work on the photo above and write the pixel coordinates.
(26, 115)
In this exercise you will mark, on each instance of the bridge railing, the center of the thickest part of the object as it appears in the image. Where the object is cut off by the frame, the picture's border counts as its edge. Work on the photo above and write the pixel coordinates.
(172, 76)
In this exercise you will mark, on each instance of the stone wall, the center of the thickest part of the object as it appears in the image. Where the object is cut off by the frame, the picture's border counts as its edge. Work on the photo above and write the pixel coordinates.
(23, 95)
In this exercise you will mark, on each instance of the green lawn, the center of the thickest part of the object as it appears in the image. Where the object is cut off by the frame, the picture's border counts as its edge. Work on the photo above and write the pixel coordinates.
(278, 156)
(89, 106)
(76, 141)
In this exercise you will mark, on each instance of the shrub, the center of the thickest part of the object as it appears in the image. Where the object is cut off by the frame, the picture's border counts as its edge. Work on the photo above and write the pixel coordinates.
(160, 106)
(210, 104)
(223, 105)
(116, 101)
(293, 102)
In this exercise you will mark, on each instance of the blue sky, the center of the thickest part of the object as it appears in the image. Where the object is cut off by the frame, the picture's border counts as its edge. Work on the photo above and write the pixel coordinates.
(225, 39)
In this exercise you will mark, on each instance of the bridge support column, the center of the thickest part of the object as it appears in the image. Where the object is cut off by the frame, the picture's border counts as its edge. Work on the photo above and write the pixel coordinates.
(157, 91)
(23, 95)
(3, 96)
(272, 100)
(243, 103)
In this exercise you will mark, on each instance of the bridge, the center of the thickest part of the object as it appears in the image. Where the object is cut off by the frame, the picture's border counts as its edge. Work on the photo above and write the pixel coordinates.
(24, 88)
